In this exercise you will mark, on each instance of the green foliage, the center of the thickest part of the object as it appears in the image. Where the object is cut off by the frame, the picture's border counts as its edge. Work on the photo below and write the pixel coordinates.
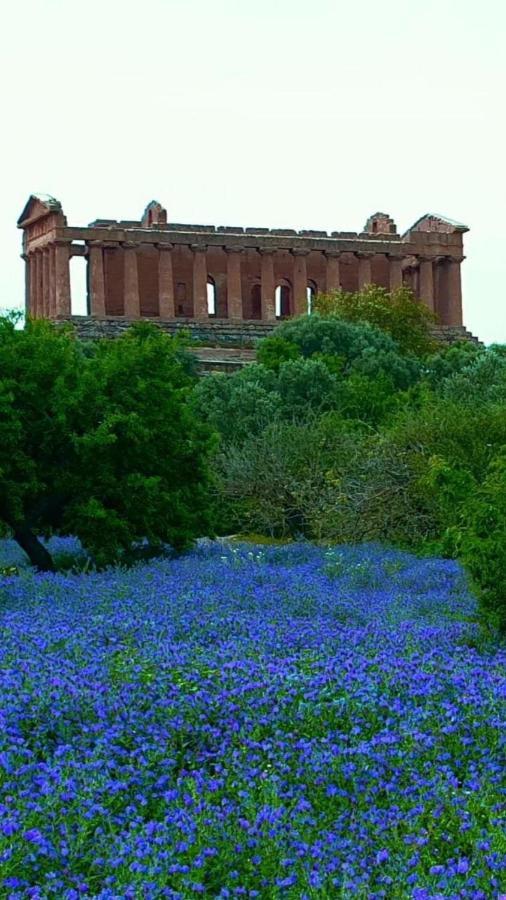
(331, 335)
(100, 443)
(398, 313)
(282, 480)
(482, 381)
(237, 405)
(305, 386)
(483, 542)
(475, 518)
(274, 350)
(348, 347)
(449, 360)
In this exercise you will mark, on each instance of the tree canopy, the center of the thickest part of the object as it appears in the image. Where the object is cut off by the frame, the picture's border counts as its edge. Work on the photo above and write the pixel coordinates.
(99, 441)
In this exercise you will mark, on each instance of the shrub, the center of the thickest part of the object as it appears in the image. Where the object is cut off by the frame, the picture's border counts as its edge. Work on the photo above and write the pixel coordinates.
(274, 350)
(398, 313)
(480, 540)
(281, 481)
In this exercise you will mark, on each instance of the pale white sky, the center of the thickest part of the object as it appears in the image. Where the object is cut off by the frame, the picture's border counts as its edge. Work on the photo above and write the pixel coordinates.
(261, 112)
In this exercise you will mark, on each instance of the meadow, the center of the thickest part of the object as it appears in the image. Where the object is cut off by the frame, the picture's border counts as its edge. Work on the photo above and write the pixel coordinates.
(250, 721)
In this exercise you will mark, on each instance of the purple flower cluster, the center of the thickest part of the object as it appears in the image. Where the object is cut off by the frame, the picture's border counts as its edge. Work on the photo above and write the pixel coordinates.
(270, 722)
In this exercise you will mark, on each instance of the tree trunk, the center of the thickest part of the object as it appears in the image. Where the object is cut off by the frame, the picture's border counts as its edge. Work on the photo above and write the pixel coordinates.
(36, 552)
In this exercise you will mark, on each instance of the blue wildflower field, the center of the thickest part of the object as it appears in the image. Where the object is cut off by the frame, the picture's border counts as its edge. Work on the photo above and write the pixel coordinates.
(246, 721)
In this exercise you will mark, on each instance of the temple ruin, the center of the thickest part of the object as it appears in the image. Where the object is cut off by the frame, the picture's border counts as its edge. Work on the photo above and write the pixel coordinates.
(152, 268)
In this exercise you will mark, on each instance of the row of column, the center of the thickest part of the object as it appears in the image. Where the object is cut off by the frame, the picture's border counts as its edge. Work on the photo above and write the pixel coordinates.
(234, 279)
(48, 281)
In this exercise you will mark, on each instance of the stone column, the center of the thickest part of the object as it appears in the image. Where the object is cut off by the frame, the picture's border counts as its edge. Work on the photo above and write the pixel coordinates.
(299, 282)
(200, 310)
(268, 287)
(426, 282)
(38, 306)
(364, 269)
(26, 260)
(395, 265)
(32, 262)
(63, 304)
(166, 307)
(45, 283)
(454, 291)
(132, 303)
(96, 276)
(52, 283)
(333, 278)
(234, 285)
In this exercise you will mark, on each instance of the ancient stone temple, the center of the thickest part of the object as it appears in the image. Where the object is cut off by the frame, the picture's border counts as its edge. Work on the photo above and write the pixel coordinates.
(198, 273)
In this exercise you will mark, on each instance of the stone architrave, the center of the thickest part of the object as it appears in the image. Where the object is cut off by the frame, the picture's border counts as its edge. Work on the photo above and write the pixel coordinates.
(166, 309)
(333, 276)
(200, 308)
(299, 282)
(97, 278)
(454, 286)
(395, 271)
(268, 286)
(62, 279)
(426, 281)
(364, 269)
(234, 284)
(132, 307)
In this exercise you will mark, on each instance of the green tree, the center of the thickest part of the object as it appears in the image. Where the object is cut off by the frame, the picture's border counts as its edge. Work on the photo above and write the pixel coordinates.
(237, 405)
(99, 442)
(397, 313)
(350, 346)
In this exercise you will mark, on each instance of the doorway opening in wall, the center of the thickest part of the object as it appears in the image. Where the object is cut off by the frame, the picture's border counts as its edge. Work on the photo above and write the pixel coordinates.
(79, 294)
(311, 292)
(283, 300)
(211, 297)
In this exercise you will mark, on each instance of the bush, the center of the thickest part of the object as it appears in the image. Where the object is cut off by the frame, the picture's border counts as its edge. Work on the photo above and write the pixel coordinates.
(237, 405)
(397, 313)
(274, 350)
(281, 481)
(480, 540)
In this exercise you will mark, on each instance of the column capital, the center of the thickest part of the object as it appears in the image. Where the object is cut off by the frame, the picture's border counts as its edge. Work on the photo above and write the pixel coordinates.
(99, 244)
(456, 259)
(164, 246)
(198, 248)
(299, 251)
(332, 254)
